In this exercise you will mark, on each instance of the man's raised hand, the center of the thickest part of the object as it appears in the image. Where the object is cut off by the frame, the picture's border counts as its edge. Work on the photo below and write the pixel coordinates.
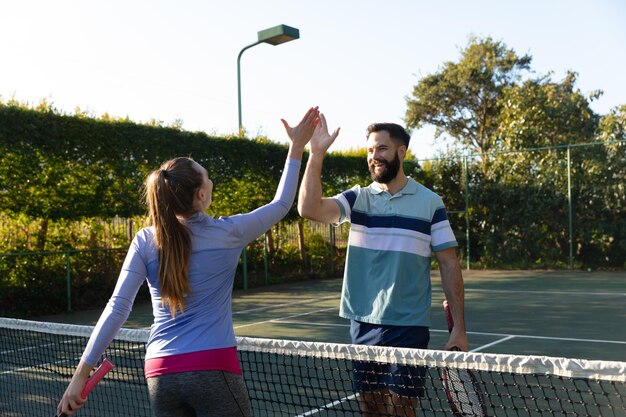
(321, 140)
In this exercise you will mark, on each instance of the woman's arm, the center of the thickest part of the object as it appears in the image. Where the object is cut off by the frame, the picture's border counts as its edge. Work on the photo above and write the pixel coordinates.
(255, 223)
(116, 312)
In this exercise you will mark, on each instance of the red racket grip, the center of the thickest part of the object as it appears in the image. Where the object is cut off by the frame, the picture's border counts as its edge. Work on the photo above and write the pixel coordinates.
(446, 308)
(93, 380)
(97, 376)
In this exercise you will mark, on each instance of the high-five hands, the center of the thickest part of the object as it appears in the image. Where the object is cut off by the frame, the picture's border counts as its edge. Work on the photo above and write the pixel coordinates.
(301, 134)
(321, 140)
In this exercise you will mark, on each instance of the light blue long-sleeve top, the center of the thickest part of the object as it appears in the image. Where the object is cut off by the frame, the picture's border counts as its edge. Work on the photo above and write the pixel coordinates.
(206, 322)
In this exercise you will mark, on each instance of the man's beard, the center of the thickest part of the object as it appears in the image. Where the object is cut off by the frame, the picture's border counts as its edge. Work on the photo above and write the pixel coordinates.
(388, 173)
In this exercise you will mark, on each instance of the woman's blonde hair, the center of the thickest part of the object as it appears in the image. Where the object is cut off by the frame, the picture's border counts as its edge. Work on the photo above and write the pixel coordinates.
(170, 192)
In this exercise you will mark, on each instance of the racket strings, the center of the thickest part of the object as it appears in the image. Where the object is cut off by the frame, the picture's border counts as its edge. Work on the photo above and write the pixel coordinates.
(463, 392)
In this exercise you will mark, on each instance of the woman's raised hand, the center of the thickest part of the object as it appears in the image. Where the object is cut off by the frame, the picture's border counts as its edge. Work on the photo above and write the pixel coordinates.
(301, 134)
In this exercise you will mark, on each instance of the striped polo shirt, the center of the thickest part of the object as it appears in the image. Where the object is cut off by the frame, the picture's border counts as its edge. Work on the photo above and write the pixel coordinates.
(392, 237)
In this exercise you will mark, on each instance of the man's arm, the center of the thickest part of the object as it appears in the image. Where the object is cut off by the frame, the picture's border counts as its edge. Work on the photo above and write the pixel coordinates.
(311, 203)
(452, 283)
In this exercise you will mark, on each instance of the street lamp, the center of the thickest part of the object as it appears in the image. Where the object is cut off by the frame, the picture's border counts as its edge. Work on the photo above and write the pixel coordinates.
(274, 36)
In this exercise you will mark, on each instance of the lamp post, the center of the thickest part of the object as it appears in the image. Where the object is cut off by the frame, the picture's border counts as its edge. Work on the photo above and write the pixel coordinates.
(274, 36)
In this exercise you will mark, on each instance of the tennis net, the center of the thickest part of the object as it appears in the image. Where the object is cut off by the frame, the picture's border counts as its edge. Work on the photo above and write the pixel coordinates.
(291, 378)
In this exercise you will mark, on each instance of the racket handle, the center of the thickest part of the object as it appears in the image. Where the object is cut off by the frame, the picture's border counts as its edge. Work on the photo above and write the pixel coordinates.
(93, 380)
(446, 308)
(97, 376)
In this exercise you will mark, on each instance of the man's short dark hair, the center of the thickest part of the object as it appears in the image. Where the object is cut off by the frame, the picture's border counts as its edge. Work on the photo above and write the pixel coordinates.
(395, 131)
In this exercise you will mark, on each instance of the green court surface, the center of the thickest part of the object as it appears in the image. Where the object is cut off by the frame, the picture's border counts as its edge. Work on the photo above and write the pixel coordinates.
(570, 314)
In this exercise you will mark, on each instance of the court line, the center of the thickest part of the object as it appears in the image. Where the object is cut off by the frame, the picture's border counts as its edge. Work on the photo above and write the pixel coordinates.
(14, 351)
(329, 405)
(549, 293)
(504, 335)
(286, 317)
(35, 367)
(504, 339)
(564, 339)
(307, 301)
(40, 364)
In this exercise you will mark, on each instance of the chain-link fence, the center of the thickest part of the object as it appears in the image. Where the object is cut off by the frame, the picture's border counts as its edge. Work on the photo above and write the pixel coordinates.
(550, 207)
(43, 282)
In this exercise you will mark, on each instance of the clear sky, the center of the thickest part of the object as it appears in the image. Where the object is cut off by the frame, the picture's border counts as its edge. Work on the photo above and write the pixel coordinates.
(357, 60)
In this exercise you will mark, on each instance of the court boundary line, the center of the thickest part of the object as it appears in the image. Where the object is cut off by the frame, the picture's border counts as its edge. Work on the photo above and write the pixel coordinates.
(549, 293)
(504, 335)
(286, 317)
(504, 339)
(305, 301)
(318, 410)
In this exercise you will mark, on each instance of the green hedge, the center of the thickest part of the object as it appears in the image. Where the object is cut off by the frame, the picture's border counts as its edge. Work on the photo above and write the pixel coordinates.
(63, 177)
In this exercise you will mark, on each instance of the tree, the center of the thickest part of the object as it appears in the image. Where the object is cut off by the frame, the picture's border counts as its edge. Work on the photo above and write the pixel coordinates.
(601, 198)
(612, 126)
(464, 99)
(541, 112)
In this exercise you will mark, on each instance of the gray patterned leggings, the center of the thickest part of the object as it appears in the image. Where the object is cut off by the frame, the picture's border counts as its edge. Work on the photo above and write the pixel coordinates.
(199, 394)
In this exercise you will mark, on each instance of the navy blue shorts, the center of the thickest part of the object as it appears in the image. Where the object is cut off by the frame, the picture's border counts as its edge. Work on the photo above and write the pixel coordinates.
(404, 380)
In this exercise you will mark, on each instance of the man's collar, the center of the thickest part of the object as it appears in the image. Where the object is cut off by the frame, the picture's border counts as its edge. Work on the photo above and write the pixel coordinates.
(410, 187)
(375, 187)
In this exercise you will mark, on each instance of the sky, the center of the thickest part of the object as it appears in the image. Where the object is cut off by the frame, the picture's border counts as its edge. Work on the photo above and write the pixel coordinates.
(358, 61)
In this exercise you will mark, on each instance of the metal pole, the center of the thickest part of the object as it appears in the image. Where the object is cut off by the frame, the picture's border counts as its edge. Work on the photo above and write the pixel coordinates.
(245, 258)
(265, 260)
(244, 264)
(273, 36)
(467, 221)
(68, 277)
(569, 207)
(332, 249)
(239, 86)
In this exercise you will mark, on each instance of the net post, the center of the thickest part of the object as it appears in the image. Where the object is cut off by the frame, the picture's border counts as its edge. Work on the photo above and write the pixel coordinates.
(569, 208)
(68, 278)
(467, 221)
(244, 266)
(265, 260)
(331, 239)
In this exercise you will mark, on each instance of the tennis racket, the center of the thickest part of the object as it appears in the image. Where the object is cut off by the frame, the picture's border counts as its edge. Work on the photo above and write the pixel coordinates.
(96, 377)
(464, 393)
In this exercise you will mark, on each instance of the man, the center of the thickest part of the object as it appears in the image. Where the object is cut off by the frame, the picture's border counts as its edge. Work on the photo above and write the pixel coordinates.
(396, 224)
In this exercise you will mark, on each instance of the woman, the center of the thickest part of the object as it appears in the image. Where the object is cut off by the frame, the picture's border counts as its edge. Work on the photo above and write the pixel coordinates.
(189, 260)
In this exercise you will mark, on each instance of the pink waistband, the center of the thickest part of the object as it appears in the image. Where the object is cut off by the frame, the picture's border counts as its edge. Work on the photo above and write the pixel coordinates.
(224, 359)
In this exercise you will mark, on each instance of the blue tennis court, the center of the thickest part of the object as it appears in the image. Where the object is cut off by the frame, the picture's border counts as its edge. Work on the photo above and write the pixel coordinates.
(537, 314)
(571, 314)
